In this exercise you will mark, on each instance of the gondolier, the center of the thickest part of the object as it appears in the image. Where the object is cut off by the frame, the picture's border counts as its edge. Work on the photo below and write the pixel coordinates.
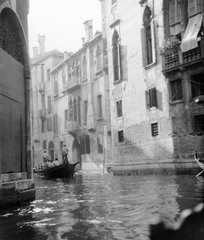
(64, 152)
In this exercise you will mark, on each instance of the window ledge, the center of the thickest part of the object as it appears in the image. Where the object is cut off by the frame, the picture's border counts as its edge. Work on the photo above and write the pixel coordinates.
(119, 118)
(117, 81)
(99, 118)
(176, 102)
(98, 72)
(150, 65)
(55, 95)
(115, 23)
(153, 108)
(84, 79)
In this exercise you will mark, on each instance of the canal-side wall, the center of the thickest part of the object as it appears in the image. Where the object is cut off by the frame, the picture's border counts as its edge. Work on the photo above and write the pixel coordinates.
(16, 167)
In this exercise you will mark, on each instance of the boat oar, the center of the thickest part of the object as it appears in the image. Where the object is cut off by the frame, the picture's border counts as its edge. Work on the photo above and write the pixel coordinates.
(199, 173)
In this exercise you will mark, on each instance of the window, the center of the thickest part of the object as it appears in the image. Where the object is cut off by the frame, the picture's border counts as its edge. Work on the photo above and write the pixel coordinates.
(79, 110)
(55, 121)
(78, 70)
(100, 143)
(55, 88)
(119, 108)
(99, 106)
(147, 37)
(42, 72)
(199, 123)
(151, 98)
(49, 124)
(65, 118)
(70, 110)
(197, 85)
(61, 145)
(44, 145)
(98, 59)
(75, 109)
(84, 68)
(49, 104)
(43, 121)
(48, 74)
(176, 90)
(174, 17)
(194, 7)
(85, 110)
(154, 127)
(85, 144)
(43, 101)
(116, 56)
(120, 136)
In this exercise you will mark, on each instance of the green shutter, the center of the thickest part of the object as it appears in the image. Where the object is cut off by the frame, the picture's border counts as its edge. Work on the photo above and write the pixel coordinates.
(143, 41)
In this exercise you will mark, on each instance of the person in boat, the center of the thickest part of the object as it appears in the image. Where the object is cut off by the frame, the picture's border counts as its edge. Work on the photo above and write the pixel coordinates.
(45, 157)
(48, 164)
(64, 151)
(56, 162)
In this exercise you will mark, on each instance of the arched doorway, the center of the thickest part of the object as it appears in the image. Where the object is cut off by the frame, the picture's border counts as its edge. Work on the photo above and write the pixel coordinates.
(76, 155)
(14, 98)
(51, 150)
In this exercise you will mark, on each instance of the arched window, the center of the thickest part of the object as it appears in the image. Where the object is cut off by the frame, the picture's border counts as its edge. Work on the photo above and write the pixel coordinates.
(79, 110)
(147, 35)
(98, 59)
(84, 68)
(116, 56)
(75, 110)
(70, 110)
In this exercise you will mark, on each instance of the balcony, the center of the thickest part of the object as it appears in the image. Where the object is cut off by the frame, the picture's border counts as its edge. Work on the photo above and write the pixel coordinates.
(41, 88)
(73, 84)
(175, 59)
(73, 127)
(42, 113)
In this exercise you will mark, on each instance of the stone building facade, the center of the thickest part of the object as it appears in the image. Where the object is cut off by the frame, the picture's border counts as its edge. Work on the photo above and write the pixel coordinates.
(155, 125)
(42, 64)
(81, 105)
(16, 175)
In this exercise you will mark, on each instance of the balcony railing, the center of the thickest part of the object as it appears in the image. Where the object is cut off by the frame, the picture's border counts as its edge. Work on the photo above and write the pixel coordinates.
(73, 126)
(42, 113)
(41, 88)
(172, 59)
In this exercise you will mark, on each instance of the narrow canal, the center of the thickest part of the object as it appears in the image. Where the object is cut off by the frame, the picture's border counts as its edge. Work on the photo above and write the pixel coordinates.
(100, 206)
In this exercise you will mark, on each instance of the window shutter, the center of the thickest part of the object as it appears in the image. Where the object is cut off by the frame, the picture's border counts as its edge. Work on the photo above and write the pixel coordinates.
(191, 7)
(147, 99)
(153, 42)
(87, 144)
(199, 6)
(154, 97)
(144, 53)
(171, 12)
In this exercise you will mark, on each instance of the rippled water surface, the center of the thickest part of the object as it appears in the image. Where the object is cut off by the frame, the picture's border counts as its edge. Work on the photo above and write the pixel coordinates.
(100, 206)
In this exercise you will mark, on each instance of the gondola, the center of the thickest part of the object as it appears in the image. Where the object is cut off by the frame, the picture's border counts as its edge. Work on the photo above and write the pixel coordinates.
(200, 163)
(65, 170)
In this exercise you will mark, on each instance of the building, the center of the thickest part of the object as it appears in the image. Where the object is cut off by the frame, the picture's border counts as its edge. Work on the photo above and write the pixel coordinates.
(16, 175)
(81, 105)
(42, 64)
(155, 122)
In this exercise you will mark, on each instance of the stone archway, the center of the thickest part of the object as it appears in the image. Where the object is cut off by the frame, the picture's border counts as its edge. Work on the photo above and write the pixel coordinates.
(76, 155)
(51, 150)
(14, 95)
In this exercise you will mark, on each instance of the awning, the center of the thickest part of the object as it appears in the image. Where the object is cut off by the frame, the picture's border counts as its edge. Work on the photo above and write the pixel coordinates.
(190, 37)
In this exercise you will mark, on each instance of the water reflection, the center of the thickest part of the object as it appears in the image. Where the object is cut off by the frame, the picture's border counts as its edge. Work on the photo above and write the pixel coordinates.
(96, 206)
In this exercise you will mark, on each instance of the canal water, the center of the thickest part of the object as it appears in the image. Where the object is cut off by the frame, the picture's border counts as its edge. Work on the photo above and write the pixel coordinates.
(96, 206)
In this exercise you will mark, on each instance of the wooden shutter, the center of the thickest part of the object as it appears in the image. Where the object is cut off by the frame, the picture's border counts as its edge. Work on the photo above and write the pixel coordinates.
(171, 12)
(154, 97)
(85, 144)
(144, 52)
(153, 42)
(147, 99)
(191, 7)
(199, 6)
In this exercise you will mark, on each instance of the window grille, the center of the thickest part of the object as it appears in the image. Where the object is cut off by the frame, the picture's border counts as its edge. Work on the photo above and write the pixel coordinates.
(120, 136)
(155, 130)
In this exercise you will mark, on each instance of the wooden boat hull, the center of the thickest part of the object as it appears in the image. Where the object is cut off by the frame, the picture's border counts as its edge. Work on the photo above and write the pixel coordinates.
(61, 171)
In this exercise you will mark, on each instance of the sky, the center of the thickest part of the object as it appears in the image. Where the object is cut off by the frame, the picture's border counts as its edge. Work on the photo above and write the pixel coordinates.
(62, 22)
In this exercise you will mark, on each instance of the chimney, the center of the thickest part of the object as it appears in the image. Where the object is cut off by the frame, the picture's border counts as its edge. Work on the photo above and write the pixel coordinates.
(35, 52)
(82, 41)
(41, 40)
(88, 30)
(65, 54)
